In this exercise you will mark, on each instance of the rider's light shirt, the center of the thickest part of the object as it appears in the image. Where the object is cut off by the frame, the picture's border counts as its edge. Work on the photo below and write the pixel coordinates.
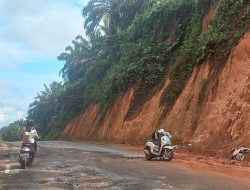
(29, 137)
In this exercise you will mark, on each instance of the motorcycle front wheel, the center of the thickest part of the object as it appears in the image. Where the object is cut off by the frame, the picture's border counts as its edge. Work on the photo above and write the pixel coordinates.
(168, 155)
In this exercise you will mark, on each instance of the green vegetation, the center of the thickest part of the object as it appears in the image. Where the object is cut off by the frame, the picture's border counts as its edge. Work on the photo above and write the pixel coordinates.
(138, 42)
(13, 131)
(229, 24)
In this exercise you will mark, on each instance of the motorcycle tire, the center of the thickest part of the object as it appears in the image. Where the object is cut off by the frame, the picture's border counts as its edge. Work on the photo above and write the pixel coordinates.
(24, 165)
(148, 156)
(168, 155)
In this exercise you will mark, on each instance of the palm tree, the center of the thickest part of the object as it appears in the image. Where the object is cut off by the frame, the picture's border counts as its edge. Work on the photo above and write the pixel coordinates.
(77, 58)
(110, 16)
(95, 12)
(45, 105)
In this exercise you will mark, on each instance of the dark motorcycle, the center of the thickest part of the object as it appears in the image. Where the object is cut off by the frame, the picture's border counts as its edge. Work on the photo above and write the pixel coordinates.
(26, 155)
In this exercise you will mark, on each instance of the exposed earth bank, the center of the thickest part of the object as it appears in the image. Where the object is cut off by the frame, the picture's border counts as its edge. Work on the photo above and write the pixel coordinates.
(212, 116)
(212, 127)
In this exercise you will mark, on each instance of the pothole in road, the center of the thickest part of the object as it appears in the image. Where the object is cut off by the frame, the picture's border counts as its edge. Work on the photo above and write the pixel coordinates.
(2, 167)
(127, 157)
(9, 155)
(85, 177)
(41, 154)
(60, 166)
(94, 184)
(15, 166)
(74, 180)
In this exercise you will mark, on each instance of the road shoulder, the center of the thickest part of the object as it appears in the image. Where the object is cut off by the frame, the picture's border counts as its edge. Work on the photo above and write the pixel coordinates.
(236, 170)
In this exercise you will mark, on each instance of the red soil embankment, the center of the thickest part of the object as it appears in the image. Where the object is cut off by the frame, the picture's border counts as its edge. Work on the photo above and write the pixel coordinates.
(213, 127)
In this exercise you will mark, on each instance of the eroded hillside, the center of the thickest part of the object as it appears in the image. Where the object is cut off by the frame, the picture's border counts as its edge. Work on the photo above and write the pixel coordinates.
(222, 121)
(211, 111)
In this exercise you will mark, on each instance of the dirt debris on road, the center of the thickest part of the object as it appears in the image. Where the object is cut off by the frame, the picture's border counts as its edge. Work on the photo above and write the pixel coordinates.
(186, 159)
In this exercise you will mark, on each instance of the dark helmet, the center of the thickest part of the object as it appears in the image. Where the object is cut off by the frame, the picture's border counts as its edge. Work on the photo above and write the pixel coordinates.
(29, 125)
(29, 122)
(28, 128)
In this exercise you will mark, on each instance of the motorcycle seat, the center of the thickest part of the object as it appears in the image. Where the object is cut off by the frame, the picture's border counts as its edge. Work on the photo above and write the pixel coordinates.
(155, 142)
(27, 144)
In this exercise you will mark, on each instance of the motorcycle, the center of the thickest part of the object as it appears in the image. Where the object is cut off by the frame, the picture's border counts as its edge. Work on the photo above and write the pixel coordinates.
(26, 155)
(238, 153)
(163, 150)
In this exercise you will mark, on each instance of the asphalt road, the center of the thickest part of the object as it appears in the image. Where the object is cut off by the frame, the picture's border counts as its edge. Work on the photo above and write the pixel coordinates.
(70, 165)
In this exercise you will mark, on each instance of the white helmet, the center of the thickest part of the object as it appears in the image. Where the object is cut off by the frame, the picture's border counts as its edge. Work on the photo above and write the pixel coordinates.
(161, 131)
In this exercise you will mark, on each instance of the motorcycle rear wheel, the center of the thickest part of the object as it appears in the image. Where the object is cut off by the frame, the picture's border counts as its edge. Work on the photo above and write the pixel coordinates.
(24, 165)
(148, 156)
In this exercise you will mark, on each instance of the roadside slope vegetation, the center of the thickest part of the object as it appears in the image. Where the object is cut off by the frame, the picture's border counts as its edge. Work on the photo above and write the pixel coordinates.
(176, 64)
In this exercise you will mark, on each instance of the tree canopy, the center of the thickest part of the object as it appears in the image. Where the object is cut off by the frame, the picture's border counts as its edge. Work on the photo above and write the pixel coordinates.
(109, 17)
(13, 131)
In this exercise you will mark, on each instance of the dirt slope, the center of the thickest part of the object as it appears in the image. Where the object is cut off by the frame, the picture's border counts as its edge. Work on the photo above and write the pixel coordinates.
(222, 121)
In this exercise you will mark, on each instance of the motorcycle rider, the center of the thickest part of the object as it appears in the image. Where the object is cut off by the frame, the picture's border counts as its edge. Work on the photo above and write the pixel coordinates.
(158, 134)
(29, 135)
(159, 146)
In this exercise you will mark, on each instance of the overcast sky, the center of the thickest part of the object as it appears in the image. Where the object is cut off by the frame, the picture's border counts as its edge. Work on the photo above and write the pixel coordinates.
(32, 34)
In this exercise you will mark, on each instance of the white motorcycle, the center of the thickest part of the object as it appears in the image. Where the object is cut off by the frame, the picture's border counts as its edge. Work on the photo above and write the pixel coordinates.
(238, 153)
(165, 150)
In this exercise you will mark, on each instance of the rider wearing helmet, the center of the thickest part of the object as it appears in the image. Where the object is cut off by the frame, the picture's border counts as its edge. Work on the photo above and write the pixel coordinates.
(29, 134)
(159, 133)
(156, 136)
